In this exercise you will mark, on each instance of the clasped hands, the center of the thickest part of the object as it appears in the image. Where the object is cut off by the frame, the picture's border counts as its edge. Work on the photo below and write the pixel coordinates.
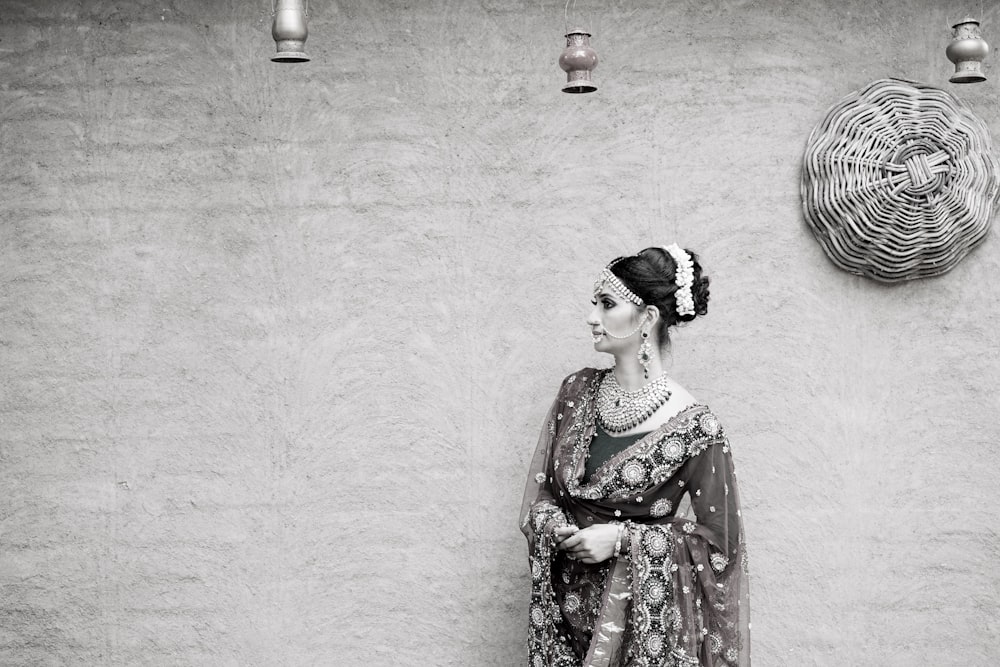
(594, 544)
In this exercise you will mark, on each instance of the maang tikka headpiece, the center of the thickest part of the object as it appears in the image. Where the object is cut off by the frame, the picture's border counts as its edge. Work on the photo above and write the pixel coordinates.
(614, 282)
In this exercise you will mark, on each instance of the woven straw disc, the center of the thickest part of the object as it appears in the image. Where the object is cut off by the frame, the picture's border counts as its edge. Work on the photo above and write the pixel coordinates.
(899, 181)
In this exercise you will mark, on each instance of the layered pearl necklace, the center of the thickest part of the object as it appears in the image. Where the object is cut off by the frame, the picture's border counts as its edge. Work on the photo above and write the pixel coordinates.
(619, 410)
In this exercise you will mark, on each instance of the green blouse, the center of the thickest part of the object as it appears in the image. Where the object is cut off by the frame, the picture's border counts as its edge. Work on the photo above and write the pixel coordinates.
(604, 446)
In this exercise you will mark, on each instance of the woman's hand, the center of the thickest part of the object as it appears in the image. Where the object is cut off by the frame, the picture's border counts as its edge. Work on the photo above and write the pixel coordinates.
(594, 544)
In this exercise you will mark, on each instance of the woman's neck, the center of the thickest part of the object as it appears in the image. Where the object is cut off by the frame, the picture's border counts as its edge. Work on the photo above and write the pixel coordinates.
(629, 371)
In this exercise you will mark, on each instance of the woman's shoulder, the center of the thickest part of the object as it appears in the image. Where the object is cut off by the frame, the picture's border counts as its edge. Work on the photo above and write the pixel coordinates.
(698, 422)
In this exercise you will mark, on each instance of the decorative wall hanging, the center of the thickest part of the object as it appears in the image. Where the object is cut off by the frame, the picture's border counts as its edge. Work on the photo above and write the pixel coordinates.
(899, 181)
(290, 30)
(967, 50)
(578, 59)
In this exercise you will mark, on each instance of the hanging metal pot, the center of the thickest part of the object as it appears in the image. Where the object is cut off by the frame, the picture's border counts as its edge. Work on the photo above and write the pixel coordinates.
(578, 59)
(967, 50)
(290, 31)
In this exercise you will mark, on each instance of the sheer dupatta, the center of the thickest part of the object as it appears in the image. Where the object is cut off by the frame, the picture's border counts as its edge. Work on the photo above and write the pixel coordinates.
(678, 596)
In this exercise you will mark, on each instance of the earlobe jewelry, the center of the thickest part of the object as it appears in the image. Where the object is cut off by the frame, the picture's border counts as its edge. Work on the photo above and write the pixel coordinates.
(644, 354)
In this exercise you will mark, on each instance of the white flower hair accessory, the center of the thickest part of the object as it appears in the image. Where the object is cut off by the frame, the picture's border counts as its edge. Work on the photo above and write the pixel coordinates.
(684, 278)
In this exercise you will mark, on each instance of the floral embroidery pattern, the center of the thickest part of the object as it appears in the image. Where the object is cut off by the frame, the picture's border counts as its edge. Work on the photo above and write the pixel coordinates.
(719, 561)
(653, 611)
(546, 638)
(661, 507)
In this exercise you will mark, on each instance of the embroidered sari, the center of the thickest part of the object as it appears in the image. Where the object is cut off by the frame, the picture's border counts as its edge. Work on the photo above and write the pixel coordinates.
(678, 596)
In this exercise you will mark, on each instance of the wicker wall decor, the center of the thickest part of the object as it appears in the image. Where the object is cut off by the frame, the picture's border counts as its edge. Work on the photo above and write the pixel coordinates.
(899, 181)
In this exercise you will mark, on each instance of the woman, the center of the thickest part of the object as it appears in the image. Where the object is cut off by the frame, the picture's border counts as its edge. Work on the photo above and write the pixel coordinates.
(619, 578)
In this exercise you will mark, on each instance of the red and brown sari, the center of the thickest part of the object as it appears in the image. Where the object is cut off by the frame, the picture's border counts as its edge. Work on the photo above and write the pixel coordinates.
(678, 596)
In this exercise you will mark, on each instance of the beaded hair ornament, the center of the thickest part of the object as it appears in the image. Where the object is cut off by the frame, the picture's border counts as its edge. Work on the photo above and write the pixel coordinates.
(612, 281)
(683, 278)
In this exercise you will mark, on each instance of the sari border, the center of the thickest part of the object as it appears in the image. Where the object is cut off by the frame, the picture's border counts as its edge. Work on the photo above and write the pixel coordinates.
(609, 629)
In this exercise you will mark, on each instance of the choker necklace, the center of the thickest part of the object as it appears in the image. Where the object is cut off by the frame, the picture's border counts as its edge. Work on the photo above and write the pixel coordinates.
(619, 410)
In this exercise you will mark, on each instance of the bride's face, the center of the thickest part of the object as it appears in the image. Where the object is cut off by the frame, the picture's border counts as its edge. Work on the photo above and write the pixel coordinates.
(613, 314)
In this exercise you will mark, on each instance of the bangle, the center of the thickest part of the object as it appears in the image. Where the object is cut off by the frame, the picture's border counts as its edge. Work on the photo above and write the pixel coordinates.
(618, 540)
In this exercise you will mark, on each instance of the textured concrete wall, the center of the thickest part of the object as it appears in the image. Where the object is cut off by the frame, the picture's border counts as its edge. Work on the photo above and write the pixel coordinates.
(276, 341)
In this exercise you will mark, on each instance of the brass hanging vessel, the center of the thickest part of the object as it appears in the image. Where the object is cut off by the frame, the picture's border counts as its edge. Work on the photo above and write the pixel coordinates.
(578, 59)
(967, 50)
(290, 30)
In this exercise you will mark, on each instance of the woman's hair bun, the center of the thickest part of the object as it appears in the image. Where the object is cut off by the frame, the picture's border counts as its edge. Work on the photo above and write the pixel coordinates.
(700, 289)
(699, 286)
(652, 275)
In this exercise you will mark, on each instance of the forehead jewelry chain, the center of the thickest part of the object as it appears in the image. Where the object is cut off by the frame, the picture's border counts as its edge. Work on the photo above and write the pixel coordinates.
(607, 278)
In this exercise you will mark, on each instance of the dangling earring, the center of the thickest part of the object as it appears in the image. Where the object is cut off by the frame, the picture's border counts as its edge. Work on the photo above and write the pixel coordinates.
(644, 354)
